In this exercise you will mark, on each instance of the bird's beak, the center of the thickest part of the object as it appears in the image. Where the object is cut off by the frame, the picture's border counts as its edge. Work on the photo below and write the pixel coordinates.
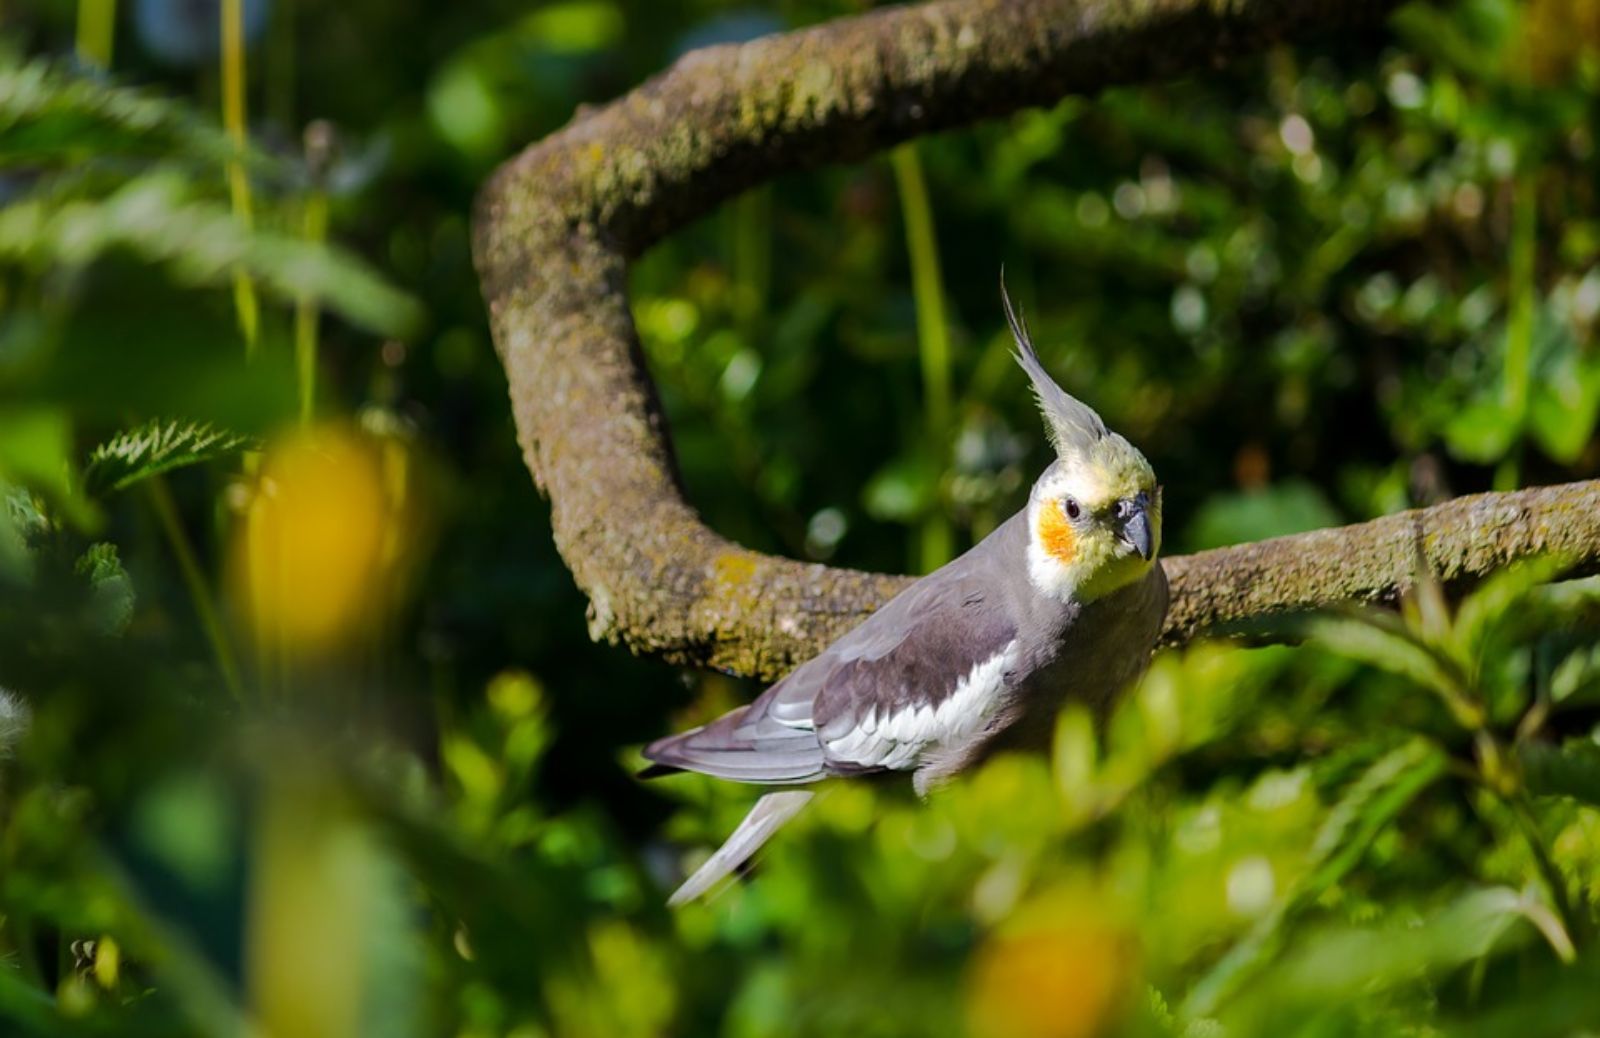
(1136, 532)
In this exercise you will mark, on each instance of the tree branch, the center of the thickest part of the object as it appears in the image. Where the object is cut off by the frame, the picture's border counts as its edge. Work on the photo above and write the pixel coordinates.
(557, 226)
(1462, 541)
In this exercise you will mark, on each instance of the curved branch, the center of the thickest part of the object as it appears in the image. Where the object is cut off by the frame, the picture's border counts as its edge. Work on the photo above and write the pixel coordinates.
(556, 227)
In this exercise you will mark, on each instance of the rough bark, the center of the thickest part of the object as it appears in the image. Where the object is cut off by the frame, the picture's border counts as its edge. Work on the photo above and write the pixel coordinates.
(557, 226)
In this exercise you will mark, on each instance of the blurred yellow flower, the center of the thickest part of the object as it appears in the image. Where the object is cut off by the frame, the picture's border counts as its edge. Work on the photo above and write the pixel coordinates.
(323, 535)
(1062, 967)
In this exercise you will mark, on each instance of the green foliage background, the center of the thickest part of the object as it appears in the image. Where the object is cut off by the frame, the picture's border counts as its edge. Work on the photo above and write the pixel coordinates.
(1317, 286)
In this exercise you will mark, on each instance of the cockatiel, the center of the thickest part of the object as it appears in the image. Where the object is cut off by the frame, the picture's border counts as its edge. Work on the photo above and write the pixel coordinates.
(1062, 601)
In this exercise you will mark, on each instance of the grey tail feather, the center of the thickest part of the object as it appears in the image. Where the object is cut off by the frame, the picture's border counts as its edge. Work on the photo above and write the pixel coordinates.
(774, 756)
(765, 818)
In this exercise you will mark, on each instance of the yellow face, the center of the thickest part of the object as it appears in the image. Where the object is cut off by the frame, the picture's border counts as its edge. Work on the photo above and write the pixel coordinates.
(1096, 522)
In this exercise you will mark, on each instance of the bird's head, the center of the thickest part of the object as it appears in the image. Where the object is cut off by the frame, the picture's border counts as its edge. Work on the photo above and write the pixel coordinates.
(1094, 516)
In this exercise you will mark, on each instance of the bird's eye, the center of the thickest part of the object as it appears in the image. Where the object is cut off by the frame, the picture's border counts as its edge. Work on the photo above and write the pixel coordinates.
(1071, 505)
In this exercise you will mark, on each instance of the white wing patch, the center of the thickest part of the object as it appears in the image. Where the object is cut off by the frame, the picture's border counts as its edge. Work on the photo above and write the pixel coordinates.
(898, 740)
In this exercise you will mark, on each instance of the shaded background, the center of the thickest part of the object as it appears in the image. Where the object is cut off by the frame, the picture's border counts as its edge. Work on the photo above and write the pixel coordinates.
(1318, 286)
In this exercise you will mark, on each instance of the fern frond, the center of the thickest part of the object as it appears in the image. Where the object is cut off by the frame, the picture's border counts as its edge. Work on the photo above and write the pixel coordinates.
(53, 116)
(161, 217)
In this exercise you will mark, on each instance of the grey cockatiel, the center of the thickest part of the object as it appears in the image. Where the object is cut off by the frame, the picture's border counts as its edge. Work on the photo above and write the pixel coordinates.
(1063, 601)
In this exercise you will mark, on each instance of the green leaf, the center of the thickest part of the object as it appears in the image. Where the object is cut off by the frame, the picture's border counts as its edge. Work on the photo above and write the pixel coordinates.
(1564, 395)
(1574, 679)
(26, 1007)
(1380, 640)
(1369, 805)
(110, 588)
(1572, 770)
(1563, 409)
(1340, 964)
(17, 517)
(1482, 431)
(36, 454)
(1549, 1002)
(1076, 755)
(1494, 598)
(154, 448)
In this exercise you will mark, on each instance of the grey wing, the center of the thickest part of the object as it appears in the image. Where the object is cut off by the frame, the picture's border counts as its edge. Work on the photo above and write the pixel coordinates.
(923, 670)
(934, 677)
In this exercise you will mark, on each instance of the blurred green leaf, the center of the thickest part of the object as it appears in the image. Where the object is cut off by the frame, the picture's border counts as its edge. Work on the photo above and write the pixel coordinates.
(576, 26)
(1368, 806)
(902, 491)
(1570, 770)
(1564, 407)
(1482, 431)
(36, 453)
(110, 587)
(1339, 964)
(1284, 508)
(1380, 640)
(1496, 597)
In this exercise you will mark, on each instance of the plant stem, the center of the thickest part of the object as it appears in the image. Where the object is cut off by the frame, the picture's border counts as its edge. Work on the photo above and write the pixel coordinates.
(1519, 325)
(279, 62)
(306, 312)
(1547, 867)
(933, 340)
(97, 30)
(245, 302)
(752, 255)
(194, 580)
(25, 949)
(269, 661)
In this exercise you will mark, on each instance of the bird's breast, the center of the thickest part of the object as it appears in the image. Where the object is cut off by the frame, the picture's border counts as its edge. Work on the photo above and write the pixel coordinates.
(1104, 646)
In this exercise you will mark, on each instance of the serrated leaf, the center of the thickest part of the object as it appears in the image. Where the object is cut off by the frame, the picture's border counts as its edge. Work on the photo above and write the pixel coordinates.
(154, 448)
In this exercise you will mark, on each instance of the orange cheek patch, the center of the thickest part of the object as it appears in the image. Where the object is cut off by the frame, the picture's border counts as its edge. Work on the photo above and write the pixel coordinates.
(1055, 533)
